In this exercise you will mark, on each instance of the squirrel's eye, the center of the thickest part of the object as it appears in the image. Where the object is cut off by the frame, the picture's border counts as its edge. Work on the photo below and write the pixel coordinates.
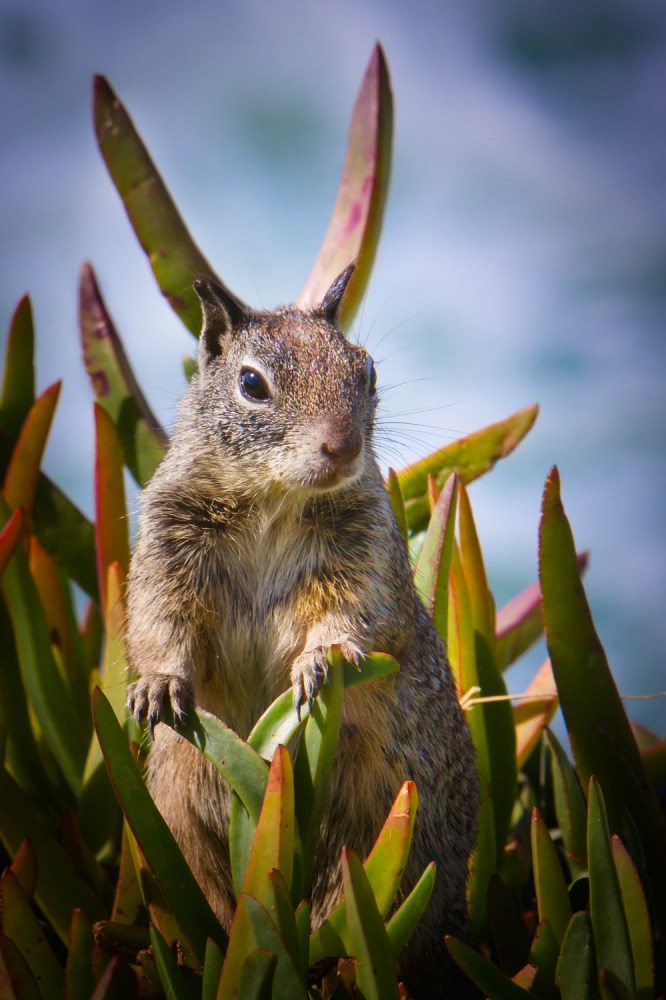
(372, 388)
(253, 385)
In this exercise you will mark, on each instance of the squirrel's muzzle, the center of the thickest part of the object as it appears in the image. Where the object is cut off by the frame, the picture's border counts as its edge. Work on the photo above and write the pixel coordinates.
(342, 444)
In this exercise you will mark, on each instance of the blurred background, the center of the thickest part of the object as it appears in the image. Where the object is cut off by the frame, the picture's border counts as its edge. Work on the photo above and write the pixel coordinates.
(523, 256)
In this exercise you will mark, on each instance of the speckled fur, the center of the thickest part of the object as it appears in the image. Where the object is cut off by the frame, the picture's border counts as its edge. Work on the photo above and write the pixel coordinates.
(246, 566)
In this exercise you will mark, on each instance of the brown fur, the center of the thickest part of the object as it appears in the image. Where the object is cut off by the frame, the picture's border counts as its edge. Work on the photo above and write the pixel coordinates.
(254, 554)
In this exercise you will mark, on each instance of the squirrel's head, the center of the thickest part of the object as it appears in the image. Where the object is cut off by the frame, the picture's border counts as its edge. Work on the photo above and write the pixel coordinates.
(284, 394)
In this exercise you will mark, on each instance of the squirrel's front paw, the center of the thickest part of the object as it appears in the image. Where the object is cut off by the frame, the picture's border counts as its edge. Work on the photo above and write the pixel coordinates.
(146, 698)
(308, 673)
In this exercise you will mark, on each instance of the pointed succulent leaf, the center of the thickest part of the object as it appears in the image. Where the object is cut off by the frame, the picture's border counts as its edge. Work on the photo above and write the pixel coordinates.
(551, 888)
(369, 941)
(212, 970)
(481, 601)
(111, 521)
(544, 953)
(355, 225)
(16, 979)
(574, 966)
(279, 906)
(286, 980)
(431, 578)
(128, 899)
(49, 697)
(302, 917)
(525, 977)
(469, 457)
(404, 921)
(507, 928)
(18, 385)
(599, 731)
(24, 867)
(79, 979)
(20, 483)
(492, 982)
(256, 981)
(21, 925)
(173, 255)
(609, 924)
(638, 920)
(172, 981)
(611, 986)
(570, 806)
(397, 502)
(242, 943)
(273, 844)
(176, 882)
(144, 440)
(9, 537)
(531, 716)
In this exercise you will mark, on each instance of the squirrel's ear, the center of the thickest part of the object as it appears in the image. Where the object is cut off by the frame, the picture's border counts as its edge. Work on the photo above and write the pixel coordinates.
(222, 313)
(330, 304)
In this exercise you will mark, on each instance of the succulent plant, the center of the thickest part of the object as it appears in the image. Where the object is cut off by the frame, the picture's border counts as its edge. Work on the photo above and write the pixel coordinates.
(567, 887)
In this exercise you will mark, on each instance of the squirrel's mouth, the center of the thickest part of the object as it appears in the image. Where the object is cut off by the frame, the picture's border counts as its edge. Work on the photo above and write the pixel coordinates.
(331, 477)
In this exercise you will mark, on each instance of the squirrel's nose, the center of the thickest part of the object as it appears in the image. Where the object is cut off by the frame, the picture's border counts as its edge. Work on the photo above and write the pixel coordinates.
(342, 445)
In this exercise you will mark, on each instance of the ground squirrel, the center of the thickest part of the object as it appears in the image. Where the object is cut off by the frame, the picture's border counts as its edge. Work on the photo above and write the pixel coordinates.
(265, 536)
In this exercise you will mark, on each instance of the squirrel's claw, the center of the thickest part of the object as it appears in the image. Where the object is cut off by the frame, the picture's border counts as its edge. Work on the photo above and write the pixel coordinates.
(146, 699)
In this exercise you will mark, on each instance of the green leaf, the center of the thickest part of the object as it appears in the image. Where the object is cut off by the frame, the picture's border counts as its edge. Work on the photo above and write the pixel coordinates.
(314, 761)
(79, 979)
(601, 738)
(638, 920)
(574, 965)
(544, 954)
(356, 222)
(404, 921)
(175, 880)
(189, 366)
(144, 441)
(49, 698)
(279, 906)
(570, 806)
(490, 980)
(241, 944)
(611, 935)
(507, 928)
(397, 502)
(173, 255)
(21, 925)
(22, 473)
(481, 600)
(212, 970)
(18, 385)
(128, 899)
(256, 981)
(16, 979)
(384, 868)
(431, 577)
(369, 941)
(551, 889)
(58, 889)
(9, 536)
(273, 844)
(469, 457)
(286, 981)
(111, 521)
(167, 966)
(302, 917)
(531, 717)
(24, 867)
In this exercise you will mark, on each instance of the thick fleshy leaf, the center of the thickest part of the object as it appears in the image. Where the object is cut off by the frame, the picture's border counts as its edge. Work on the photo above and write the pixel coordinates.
(24, 867)
(551, 889)
(601, 738)
(404, 921)
(544, 954)
(302, 917)
(574, 965)
(16, 979)
(85, 863)
(480, 598)
(638, 920)
(611, 935)
(45, 573)
(431, 577)
(279, 906)
(314, 761)
(530, 717)
(492, 982)
(9, 537)
(356, 222)
(172, 981)
(286, 981)
(570, 806)
(111, 521)
(143, 439)
(384, 868)
(162, 854)
(525, 977)
(256, 981)
(18, 384)
(507, 928)
(397, 502)
(173, 255)
(242, 943)
(469, 457)
(49, 697)
(273, 844)
(79, 979)
(21, 477)
(128, 899)
(21, 925)
(369, 942)
(212, 970)
(58, 890)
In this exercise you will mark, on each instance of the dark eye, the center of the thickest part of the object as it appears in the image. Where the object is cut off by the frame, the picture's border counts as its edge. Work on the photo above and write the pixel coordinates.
(253, 385)
(372, 388)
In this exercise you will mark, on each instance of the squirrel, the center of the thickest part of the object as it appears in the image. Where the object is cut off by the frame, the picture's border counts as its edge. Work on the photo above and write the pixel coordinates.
(265, 536)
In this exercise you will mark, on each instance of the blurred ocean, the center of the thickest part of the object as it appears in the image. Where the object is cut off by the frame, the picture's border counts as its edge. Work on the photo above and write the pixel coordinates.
(523, 256)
